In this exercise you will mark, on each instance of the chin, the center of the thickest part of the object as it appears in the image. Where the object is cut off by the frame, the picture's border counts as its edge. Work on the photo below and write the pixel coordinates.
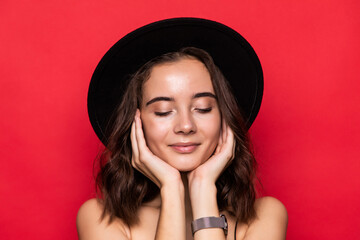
(184, 164)
(185, 168)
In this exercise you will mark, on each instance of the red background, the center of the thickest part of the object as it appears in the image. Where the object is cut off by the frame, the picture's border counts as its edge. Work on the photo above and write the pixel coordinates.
(306, 136)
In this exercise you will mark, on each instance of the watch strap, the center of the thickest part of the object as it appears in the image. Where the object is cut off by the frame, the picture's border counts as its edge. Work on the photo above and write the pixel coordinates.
(209, 222)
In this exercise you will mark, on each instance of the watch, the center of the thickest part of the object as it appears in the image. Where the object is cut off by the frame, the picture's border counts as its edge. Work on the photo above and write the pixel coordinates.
(210, 222)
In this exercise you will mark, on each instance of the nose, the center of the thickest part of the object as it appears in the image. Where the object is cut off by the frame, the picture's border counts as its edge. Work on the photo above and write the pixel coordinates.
(185, 123)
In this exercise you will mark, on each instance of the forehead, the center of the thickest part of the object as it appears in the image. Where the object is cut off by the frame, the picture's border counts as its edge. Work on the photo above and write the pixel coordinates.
(182, 78)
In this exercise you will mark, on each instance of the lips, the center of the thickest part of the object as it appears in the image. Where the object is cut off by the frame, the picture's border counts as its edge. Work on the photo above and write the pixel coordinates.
(188, 147)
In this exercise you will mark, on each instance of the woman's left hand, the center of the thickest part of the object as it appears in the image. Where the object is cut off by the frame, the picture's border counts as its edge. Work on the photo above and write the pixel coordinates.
(210, 170)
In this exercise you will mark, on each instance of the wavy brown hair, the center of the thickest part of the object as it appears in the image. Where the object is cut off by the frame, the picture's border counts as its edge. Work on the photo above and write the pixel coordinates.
(123, 189)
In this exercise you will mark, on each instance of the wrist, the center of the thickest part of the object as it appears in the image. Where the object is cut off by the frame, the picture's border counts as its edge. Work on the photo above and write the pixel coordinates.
(172, 189)
(203, 200)
(171, 181)
(201, 188)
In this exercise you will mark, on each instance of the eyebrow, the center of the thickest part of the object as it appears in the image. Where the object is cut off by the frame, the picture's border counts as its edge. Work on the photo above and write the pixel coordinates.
(170, 99)
(204, 94)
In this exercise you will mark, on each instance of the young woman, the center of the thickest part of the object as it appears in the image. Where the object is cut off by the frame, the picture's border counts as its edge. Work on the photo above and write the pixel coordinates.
(178, 163)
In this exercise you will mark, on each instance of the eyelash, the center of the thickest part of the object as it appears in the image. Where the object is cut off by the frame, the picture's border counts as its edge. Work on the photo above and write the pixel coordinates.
(204, 110)
(200, 110)
(162, 114)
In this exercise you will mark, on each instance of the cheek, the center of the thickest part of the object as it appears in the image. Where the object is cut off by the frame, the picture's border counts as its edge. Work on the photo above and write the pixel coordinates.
(212, 129)
(154, 131)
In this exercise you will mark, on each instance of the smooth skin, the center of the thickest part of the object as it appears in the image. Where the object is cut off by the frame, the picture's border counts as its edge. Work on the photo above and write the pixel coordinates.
(180, 142)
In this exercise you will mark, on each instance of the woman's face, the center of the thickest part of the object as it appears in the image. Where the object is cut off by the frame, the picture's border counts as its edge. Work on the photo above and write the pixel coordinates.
(180, 115)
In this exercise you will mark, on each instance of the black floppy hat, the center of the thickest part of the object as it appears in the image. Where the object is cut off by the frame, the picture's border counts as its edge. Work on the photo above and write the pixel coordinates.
(234, 56)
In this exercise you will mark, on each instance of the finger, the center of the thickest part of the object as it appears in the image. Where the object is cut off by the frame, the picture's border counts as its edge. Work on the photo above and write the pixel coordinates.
(222, 137)
(228, 144)
(136, 161)
(224, 131)
(138, 136)
(229, 149)
(218, 147)
(139, 133)
(234, 143)
(135, 149)
(231, 142)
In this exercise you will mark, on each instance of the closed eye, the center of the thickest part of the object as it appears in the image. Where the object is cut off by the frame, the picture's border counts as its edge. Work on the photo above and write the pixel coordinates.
(203, 110)
(162, 114)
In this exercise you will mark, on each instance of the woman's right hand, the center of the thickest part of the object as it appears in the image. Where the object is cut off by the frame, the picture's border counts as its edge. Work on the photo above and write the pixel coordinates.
(156, 169)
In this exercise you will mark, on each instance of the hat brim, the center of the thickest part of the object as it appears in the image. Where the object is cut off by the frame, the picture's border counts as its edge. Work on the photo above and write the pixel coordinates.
(231, 53)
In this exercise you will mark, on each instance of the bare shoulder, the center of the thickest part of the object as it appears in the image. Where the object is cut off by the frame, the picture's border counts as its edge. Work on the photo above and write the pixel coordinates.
(270, 205)
(271, 221)
(90, 225)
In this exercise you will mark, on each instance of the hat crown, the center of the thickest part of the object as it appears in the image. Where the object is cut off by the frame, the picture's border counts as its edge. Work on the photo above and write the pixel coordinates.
(233, 55)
